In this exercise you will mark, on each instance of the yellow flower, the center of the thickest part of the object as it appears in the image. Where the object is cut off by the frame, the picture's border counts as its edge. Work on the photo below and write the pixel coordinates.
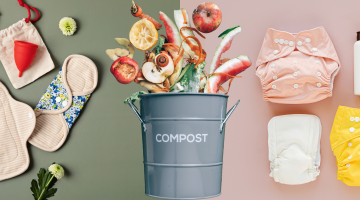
(47, 95)
(81, 107)
(61, 96)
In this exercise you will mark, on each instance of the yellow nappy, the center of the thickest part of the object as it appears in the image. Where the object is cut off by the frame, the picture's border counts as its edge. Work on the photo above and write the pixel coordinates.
(345, 143)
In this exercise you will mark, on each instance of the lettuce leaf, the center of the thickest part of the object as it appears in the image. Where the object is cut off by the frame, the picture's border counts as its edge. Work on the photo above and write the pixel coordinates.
(134, 97)
(191, 78)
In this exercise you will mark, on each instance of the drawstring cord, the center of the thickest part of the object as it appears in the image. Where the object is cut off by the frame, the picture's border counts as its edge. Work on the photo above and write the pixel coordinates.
(22, 4)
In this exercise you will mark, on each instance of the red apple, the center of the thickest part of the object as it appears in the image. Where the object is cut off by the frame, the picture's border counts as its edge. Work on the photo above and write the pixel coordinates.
(207, 17)
(124, 70)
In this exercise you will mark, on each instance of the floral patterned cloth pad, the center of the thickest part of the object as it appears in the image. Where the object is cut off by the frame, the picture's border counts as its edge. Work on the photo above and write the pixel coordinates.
(56, 98)
(63, 101)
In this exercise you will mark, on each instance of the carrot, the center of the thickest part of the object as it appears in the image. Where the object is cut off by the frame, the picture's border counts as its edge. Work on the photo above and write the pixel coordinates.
(184, 15)
(136, 11)
(224, 60)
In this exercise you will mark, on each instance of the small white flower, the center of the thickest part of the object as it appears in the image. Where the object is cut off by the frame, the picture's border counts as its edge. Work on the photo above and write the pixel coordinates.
(67, 25)
(57, 171)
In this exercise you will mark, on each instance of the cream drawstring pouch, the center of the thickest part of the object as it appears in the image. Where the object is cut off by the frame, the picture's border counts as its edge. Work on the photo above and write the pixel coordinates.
(17, 122)
(63, 101)
(42, 62)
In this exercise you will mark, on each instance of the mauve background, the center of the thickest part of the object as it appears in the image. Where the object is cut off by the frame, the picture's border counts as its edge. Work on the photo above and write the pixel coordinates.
(246, 166)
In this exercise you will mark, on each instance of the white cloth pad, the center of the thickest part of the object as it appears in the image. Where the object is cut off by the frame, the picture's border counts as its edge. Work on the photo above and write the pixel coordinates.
(294, 148)
(17, 122)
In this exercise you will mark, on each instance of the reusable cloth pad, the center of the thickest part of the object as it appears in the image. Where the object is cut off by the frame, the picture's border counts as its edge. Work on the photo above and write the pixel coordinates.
(294, 148)
(63, 101)
(17, 122)
(42, 62)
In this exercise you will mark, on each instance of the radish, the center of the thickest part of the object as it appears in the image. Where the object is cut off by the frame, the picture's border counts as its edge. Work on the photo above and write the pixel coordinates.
(227, 38)
(231, 67)
(174, 37)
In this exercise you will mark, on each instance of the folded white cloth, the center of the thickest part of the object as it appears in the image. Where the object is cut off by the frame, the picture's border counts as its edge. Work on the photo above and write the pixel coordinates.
(294, 148)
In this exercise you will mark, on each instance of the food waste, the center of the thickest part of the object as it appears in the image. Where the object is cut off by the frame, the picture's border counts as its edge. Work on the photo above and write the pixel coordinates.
(176, 62)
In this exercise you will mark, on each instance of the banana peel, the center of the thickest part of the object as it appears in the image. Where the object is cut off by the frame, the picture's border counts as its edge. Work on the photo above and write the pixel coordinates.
(126, 43)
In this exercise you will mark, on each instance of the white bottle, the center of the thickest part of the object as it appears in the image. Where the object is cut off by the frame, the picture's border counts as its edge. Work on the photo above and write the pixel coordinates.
(357, 65)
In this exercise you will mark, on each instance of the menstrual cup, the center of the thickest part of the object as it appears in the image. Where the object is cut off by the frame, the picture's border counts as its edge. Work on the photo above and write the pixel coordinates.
(24, 53)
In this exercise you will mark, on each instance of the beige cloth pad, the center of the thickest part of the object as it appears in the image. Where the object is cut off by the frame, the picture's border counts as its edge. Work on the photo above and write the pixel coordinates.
(42, 62)
(63, 101)
(17, 122)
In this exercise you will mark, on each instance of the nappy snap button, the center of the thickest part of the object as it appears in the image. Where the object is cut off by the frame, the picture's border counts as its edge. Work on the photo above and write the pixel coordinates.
(281, 41)
(276, 40)
(294, 61)
(349, 144)
(272, 65)
(276, 51)
(273, 86)
(307, 40)
(319, 73)
(64, 103)
(315, 49)
(286, 42)
(274, 77)
(350, 157)
(318, 84)
(291, 43)
(299, 43)
(296, 85)
(348, 165)
(295, 74)
(357, 119)
(317, 61)
(352, 119)
(352, 129)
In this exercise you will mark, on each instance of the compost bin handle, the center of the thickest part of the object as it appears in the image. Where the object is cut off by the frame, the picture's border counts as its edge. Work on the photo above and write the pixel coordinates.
(228, 115)
(136, 111)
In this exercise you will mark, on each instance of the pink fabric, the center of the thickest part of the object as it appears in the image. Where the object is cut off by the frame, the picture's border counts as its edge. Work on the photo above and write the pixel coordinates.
(297, 68)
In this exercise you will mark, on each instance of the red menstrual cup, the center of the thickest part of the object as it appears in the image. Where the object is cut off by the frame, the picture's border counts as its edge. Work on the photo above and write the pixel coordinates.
(24, 53)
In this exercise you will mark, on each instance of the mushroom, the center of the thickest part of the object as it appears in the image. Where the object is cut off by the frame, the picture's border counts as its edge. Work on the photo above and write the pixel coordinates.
(157, 73)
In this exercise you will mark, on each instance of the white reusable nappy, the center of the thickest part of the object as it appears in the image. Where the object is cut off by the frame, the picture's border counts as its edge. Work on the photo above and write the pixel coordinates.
(63, 101)
(294, 148)
(17, 122)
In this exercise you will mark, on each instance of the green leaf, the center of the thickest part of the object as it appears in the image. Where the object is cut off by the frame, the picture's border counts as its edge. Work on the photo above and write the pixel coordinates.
(159, 47)
(35, 189)
(223, 34)
(183, 71)
(134, 97)
(44, 185)
(50, 193)
(191, 79)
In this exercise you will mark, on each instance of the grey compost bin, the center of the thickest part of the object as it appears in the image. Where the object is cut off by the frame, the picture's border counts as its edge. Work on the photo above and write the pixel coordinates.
(183, 142)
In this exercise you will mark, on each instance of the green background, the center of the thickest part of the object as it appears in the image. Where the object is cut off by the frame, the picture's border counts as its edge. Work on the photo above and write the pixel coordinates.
(102, 155)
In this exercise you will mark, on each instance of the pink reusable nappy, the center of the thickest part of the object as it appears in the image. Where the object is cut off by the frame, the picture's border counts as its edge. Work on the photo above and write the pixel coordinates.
(297, 68)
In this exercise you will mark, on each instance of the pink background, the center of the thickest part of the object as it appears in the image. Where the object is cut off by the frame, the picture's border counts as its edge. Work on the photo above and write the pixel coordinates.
(246, 165)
